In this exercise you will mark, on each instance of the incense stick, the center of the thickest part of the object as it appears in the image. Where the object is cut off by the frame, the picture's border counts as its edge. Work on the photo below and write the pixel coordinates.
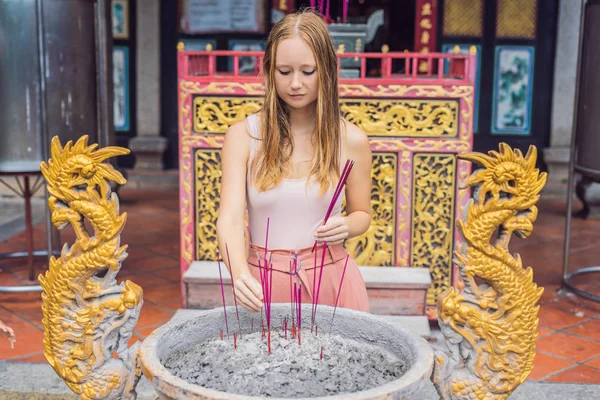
(319, 285)
(233, 287)
(223, 296)
(339, 291)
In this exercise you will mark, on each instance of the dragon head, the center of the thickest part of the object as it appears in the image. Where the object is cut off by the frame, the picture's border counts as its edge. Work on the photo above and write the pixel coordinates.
(508, 180)
(73, 170)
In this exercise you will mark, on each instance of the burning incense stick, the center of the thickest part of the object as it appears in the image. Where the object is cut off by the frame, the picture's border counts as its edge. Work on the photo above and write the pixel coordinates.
(300, 313)
(313, 288)
(316, 296)
(267, 238)
(290, 271)
(223, 296)
(345, 11)
(233, 287)
(337, 298)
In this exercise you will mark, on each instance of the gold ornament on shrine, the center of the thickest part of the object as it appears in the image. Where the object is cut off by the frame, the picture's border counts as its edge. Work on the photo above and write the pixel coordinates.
(492, 328)
(87, 318)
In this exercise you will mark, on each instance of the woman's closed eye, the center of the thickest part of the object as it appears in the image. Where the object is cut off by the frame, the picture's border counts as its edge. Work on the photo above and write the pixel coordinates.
(307, 73)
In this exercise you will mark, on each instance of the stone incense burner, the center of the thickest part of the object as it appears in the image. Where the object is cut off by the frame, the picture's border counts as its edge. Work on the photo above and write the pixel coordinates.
(360, 329)
(490, 329)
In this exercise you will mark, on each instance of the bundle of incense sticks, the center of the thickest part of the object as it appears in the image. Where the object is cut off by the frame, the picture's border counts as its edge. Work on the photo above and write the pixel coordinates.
(337, 192)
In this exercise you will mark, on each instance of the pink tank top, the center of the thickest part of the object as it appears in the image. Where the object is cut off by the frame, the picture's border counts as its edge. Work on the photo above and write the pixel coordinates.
(295, 209)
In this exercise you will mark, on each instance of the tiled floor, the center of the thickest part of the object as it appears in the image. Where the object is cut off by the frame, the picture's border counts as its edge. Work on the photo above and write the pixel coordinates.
(568, 347)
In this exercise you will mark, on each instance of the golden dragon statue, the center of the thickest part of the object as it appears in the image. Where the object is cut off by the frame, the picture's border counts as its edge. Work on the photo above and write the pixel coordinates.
(491, 328)
(88, 317)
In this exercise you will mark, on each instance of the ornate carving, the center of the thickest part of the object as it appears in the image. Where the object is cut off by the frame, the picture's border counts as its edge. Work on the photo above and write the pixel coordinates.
(207, 186)
(420, 145)
(216, 114)
(432, 218)
(88, 318)
(403, 117)
(188, 192)
(376, 247)
(398, 91)
(491, 329)
(403, 216)
(189, 141)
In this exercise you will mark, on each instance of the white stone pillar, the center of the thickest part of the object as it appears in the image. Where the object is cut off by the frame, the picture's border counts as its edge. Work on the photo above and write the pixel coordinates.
(148, 146)
(565, 70)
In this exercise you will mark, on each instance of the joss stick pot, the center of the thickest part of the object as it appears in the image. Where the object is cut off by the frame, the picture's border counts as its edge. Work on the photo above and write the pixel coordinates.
(364, 357)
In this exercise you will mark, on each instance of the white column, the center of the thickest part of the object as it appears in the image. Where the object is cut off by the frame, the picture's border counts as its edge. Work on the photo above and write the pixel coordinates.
(565, 69)
(148, 146)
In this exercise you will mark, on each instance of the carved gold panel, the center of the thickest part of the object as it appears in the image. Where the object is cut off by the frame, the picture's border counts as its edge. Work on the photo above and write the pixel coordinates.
(377, 246)
(432, 231)
(207, 186)
(403, 117)
(516, 19)
(216, 114)
(463, 18)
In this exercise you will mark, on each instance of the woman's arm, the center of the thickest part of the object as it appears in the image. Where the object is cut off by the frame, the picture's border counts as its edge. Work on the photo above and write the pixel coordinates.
(358, 192)
(230, 224)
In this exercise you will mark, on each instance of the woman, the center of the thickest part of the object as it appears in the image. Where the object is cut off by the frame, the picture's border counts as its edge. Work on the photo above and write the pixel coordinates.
(287, 159)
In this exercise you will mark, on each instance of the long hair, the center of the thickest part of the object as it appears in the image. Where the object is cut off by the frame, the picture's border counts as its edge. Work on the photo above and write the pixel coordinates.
(273, 157)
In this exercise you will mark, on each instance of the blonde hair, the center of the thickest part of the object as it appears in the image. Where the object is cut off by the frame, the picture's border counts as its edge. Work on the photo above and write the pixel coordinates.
(273, 157)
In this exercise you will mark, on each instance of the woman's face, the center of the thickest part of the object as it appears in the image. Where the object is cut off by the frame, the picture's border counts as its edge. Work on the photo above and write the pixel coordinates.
(296, 78)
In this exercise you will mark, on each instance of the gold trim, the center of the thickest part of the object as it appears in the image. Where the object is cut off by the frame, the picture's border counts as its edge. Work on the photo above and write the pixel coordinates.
(491, 325)
(207, 187)
(217, 114)
(377, 246)
(433, 213)
(403, 117)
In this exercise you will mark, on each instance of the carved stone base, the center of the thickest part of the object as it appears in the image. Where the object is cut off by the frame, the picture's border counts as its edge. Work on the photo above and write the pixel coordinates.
(148, 151)
(588, 192)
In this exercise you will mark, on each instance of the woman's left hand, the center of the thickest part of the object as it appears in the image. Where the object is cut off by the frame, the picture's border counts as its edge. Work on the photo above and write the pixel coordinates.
(333, 232)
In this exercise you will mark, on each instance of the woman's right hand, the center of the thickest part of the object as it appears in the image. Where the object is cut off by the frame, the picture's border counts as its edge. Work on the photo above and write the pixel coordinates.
(248, 292)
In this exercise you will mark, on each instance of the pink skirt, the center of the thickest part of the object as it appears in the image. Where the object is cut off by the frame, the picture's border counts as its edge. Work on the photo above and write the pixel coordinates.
(353, 293)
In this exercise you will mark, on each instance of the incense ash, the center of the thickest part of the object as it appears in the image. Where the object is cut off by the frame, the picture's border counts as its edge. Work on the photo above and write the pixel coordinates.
(323, 365)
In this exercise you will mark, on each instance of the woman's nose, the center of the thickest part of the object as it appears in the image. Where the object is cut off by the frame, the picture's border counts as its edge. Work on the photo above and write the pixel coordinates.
(296, 82)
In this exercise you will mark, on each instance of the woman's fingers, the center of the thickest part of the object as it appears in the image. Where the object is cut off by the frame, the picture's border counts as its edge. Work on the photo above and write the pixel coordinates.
(254, 286)
(249, 296)
(241, 299)
(331, 240)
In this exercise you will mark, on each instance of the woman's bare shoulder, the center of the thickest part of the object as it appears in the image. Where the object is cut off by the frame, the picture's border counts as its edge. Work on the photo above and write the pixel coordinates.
(354, 136)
